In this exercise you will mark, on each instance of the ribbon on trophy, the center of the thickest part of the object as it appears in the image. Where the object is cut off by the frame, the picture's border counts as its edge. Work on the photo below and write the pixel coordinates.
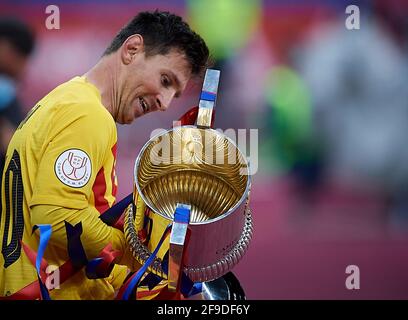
(179, 234)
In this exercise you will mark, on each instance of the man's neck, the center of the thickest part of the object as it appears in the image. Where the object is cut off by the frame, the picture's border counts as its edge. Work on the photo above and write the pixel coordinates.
(104, 77)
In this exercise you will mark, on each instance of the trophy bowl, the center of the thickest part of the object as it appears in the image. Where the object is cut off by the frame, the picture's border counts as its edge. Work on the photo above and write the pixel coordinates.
(205, 169)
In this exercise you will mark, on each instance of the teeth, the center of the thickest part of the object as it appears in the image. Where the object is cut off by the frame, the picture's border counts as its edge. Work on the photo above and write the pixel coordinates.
(144, 105)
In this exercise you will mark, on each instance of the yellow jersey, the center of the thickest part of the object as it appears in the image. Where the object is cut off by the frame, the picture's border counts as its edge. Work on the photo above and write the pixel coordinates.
(60, 167)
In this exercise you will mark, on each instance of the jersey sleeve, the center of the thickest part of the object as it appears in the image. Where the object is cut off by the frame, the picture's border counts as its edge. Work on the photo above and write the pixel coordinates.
(95, 233)
(77, 145)
(78, 148)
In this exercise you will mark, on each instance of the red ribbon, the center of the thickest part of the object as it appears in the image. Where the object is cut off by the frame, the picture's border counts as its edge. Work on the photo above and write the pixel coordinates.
(190, 117)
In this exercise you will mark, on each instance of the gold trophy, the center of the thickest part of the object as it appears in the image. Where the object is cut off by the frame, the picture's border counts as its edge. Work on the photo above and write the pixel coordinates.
(200, 171)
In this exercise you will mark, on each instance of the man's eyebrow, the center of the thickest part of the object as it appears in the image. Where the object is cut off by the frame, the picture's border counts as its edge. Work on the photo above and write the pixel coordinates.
(177, 84)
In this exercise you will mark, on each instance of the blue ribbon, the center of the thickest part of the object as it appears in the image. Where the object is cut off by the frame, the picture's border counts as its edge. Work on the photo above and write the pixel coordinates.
(77, 253)
(74, 245)
(151, 281)
(187, 287)
(136, 278)
(113, 214)
(195, 289)
(208, 96)
(182, 215)
(45, 234)
(91, 269)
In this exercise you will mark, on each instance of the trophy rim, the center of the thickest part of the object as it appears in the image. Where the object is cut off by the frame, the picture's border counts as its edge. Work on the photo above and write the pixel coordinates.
(245, 194)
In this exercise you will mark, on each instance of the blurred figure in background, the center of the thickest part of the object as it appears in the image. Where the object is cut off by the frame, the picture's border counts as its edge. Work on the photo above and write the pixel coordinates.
(358, 82)
(16, 44)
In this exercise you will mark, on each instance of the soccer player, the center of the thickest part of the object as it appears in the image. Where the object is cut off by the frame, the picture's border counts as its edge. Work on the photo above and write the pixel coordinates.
(60, 163)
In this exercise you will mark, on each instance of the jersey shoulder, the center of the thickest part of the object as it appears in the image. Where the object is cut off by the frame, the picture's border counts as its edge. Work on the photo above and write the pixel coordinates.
(75, 103)
(78, 98)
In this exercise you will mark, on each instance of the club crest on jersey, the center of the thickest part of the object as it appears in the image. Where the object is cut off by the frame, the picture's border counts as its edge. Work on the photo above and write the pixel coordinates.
(73, 168)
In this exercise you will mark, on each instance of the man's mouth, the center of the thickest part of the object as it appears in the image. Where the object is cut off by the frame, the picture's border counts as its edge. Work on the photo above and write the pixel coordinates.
(144, 105)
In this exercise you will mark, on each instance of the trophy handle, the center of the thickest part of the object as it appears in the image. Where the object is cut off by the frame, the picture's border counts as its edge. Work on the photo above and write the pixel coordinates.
(208, 98)
(178, 240)
(203, 115)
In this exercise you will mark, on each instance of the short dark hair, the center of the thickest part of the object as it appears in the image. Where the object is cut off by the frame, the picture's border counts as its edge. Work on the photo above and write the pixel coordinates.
(161, 32)
(18, 34)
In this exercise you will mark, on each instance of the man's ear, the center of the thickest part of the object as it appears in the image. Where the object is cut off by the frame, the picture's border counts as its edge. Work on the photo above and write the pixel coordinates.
(133, 45)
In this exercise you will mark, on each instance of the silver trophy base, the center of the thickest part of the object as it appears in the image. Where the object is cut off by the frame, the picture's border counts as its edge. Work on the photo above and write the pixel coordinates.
(226, 287)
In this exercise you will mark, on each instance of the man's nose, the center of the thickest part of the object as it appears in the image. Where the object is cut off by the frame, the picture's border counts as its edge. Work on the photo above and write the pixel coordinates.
(164, 99)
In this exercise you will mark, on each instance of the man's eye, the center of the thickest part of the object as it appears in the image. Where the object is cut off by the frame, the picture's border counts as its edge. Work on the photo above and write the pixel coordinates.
(165, 81)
